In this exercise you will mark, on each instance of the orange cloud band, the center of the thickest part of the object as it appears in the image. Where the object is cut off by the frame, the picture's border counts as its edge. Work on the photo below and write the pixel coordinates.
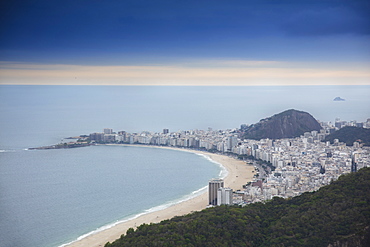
(13, 73)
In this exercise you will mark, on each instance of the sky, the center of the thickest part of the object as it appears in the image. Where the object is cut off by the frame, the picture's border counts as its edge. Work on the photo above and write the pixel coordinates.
(141, 42)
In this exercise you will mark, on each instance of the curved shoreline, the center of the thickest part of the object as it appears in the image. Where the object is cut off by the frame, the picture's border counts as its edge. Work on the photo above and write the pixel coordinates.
(238, 174)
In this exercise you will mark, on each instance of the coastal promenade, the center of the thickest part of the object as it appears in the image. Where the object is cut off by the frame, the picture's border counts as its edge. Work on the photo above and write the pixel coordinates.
(239, 173)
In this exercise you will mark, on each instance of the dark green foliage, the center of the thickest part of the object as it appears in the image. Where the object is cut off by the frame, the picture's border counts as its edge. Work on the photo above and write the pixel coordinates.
(350, 134)
(336, 213)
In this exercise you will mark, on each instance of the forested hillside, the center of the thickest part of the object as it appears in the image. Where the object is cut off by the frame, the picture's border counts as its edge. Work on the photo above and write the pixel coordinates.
(335, 215)
(350, 134)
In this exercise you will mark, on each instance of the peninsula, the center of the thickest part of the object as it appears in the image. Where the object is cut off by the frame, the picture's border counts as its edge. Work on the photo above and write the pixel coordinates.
(64, 145)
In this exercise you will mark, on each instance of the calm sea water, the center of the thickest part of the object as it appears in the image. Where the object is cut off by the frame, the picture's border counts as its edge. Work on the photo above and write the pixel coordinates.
(51, 197)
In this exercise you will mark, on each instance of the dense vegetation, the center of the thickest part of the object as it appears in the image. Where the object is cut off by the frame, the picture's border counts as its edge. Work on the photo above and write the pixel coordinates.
(350, 134)
(287, 124)
(336, 214)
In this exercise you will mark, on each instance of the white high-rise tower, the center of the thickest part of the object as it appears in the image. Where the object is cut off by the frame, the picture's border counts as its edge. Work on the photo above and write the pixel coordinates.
(224, 196)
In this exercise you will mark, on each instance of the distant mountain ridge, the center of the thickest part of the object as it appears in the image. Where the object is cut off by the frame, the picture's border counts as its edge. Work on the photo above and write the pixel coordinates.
(350, 134)
(288, 124)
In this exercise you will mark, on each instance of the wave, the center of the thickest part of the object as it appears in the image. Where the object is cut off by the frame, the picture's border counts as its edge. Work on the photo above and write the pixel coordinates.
(7, 151)
(147, 211)
(223, 172)
(13, 150)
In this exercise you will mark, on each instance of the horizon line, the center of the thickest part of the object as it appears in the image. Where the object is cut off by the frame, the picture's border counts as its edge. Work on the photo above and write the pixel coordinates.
(184, 85)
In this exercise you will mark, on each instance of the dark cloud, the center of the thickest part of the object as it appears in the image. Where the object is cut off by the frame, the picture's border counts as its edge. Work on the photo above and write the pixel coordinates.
(353, 18)
(164, 26)
(104, 20)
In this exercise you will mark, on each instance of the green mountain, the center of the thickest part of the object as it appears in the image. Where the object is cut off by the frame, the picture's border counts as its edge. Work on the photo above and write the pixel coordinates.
(287, 124)
(350, 134)
(335, 215)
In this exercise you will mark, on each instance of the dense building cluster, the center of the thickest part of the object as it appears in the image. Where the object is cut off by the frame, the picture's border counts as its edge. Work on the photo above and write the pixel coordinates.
(284, 167)
(302, 166)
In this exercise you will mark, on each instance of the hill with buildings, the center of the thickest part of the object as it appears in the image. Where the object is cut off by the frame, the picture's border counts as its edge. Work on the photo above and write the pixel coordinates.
(349, 135)
(335, 215)
(287, 124)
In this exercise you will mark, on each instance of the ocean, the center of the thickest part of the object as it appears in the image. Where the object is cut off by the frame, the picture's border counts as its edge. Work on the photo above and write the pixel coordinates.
(52, 197)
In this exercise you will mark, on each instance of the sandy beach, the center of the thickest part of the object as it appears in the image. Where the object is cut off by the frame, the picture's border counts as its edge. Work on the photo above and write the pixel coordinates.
(239, 173)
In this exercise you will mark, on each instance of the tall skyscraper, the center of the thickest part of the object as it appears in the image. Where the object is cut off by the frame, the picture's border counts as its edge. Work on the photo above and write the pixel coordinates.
(213, 187)
(224, 196)
(166, 131)
(232, 141)
(354, 163)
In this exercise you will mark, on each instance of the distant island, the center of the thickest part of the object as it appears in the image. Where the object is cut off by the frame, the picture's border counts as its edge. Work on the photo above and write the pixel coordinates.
(338, 99)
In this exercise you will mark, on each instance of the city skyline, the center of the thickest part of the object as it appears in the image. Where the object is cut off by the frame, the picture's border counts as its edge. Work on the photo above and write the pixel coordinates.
(239, 43)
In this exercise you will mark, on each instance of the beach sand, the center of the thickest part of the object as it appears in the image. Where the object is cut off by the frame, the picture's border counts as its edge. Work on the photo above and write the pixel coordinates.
(239, 173)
